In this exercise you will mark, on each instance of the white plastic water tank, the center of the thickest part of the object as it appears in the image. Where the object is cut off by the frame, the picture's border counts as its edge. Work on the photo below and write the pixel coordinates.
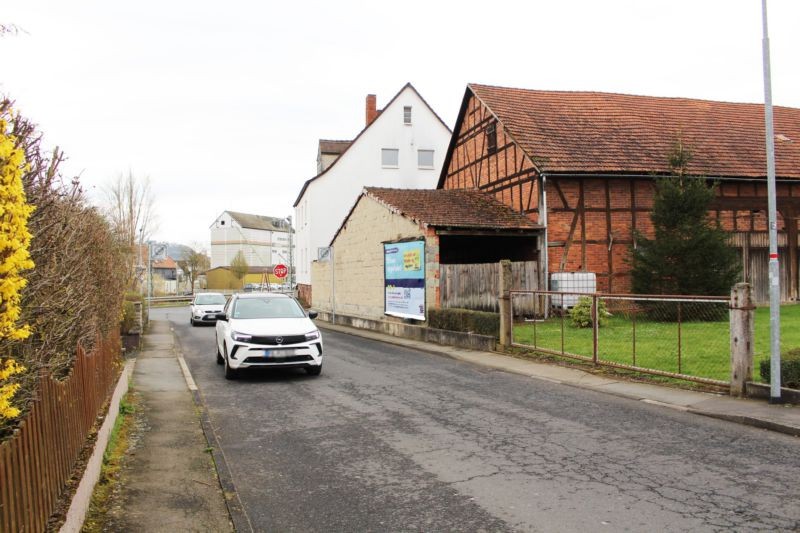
(571, 282)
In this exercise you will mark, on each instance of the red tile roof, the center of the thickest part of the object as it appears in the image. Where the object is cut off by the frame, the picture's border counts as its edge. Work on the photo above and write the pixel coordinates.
(451, 208)
(167, 262)
(329, 146)
(591, 132)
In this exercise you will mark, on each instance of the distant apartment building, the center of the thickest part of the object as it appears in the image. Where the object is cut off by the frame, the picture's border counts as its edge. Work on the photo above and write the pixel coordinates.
(402, 145)
(264, 241)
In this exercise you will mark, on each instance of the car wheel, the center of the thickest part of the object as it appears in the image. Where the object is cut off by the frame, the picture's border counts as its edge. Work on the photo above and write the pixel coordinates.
(314, 370)
(230, 373)
(191, 321)
(220, 360)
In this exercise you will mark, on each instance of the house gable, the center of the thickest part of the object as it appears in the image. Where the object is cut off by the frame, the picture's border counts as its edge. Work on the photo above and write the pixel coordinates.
(484, 155)
(354, 142)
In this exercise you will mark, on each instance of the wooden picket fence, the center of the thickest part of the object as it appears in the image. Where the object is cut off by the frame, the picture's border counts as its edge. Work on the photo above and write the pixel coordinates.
(37, 461)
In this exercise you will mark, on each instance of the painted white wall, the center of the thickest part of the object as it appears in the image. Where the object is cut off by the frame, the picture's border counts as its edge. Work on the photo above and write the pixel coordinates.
(260, 247)
(329, 198)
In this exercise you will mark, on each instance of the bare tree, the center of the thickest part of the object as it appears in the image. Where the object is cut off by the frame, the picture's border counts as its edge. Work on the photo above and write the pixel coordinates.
(193, 264)
(130, 207)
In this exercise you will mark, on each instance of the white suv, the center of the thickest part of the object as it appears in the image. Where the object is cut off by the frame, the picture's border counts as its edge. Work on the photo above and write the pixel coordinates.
(258, 330)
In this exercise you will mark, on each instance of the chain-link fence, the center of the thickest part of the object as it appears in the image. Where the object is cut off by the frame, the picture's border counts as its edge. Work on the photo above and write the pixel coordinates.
(676, 336)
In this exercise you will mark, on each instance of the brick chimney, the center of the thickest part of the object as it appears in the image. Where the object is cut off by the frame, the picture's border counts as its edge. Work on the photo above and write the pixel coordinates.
(372, 112)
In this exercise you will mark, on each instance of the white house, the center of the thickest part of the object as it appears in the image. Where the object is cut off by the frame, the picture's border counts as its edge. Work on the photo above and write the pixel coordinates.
(402, 146)
(264, 241)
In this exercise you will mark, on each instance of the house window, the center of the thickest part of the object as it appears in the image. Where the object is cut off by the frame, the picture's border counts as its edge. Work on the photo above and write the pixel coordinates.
(491, 138)
(407, 114)
(390, 157)
(425, 158)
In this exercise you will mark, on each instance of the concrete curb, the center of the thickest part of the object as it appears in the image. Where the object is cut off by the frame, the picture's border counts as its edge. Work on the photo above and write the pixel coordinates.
(83, 495)
(587, 381)
(238, 516)
(241, 522)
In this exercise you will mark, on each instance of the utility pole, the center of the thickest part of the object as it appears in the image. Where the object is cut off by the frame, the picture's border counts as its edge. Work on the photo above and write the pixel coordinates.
(149, 276)
(774, 267)
(291, 254)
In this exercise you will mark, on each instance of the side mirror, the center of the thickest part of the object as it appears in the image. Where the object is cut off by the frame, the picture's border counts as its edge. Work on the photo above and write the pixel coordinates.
(313, 314)
(222, 316)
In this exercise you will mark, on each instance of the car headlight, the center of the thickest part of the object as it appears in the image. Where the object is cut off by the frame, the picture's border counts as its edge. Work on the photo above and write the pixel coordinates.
(312, 335)
(241, 337)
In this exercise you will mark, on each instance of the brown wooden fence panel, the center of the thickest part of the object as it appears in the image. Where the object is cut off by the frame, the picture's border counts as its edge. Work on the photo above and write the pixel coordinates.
(476, 286)
(37, 460)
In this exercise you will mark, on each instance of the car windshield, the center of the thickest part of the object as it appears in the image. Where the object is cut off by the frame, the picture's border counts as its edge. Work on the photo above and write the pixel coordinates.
(209, 299)
(267, 308)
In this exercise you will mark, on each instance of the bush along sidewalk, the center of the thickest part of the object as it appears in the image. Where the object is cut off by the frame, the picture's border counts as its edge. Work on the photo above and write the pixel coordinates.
(790, 369)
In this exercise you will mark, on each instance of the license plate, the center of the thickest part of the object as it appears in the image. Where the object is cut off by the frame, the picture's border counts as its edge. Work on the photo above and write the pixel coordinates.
(279, 354)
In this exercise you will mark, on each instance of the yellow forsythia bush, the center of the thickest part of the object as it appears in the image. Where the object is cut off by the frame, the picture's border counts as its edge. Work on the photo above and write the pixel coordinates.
(14, 258)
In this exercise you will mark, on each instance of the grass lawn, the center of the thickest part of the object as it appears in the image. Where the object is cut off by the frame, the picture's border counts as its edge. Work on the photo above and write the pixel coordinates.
(705, 346)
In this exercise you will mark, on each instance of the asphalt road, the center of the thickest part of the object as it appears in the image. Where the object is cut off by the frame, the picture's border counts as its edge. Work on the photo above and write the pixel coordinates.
(392, 439)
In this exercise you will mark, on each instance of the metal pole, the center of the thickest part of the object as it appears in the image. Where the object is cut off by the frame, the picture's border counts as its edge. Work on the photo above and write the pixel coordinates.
(149, 277)
(333, 286)
(774, 269)
(291, 256)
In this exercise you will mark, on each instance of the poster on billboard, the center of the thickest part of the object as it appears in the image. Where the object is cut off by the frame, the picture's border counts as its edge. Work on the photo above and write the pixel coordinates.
(404, 279)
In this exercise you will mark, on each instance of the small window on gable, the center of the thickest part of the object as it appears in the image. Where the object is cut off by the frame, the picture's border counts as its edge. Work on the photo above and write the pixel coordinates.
(221, 222)
(425, 158)
(407, 114)
(491, 138)
(390, 157)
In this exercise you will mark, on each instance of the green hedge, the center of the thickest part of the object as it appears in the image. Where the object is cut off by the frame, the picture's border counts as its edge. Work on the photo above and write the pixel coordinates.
(790, 369)
(467, 320)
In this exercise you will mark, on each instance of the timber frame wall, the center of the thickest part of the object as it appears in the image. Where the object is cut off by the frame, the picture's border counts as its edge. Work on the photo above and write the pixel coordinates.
(590, 220)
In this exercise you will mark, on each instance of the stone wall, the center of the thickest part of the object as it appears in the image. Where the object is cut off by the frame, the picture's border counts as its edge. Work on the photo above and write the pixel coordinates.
(358, 259)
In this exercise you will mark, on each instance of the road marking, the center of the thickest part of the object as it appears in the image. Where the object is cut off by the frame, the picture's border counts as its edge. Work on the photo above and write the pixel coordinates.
(186, 374)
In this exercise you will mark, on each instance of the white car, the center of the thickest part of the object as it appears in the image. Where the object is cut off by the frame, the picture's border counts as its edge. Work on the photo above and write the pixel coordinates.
(267, 330)
(205, 308)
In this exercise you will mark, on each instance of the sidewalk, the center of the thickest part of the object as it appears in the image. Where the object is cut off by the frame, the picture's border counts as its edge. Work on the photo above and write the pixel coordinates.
(169, 481)
(758, 413)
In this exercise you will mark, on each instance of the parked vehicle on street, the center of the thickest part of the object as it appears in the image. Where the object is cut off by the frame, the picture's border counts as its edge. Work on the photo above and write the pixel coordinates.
(258, 330)
(205, 307)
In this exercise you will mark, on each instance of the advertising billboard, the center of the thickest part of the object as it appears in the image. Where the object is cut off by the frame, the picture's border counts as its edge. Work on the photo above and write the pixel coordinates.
(404, 279)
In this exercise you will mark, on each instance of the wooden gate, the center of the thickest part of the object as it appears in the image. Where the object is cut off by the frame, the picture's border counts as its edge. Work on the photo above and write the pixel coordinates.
(477, 286)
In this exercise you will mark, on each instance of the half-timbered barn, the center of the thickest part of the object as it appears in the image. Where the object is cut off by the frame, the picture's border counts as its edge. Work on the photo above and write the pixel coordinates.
(583, 166)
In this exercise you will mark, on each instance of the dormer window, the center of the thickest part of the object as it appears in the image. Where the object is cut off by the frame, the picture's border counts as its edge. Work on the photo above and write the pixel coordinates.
(407, 114)
(491, 138)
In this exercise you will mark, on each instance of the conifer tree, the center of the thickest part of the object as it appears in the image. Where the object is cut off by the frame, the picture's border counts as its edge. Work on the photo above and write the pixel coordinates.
(690, 253)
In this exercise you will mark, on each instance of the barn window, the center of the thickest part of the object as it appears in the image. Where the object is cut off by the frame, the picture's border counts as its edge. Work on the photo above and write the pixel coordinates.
(491, 138)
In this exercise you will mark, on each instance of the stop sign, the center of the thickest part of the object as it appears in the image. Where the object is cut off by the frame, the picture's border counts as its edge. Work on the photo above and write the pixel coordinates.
(280, 271)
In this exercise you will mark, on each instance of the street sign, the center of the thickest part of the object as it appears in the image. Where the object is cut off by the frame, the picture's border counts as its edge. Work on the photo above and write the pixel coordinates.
(280, 271)
(324, 254)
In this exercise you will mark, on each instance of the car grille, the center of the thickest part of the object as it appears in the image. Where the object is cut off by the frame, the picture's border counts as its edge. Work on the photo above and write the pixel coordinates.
(273, 340)
(288, 359)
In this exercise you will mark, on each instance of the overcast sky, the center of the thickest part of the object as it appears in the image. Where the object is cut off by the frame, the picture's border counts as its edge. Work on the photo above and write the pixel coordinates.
(221, 104)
